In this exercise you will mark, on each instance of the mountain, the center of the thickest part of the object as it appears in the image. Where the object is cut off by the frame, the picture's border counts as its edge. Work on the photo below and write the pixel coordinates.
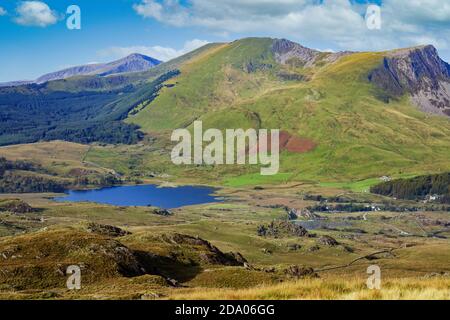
(132, 63)
(340, 116)
(343, 116)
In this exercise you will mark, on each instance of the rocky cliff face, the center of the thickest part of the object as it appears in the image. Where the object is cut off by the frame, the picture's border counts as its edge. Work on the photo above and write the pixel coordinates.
(286, 52)
(420, 72)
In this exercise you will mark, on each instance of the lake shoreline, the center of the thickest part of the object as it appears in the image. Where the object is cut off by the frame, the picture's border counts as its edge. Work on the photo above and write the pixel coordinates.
(145, 195)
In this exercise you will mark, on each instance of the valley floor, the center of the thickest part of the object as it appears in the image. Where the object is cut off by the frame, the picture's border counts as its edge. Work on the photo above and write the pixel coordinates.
(218, 251)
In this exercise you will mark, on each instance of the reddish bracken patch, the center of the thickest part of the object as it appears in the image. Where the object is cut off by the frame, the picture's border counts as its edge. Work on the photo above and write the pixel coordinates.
(295, 144)
(290, 143)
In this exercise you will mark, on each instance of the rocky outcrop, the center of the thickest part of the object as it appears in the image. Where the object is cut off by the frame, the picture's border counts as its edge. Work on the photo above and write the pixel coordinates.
(285, 50)
(298, 272)
(327, 241)
(288, 52)
(15, 206)
(39, 260)
(292, 214)
(207, 253)
(419, 72)
(162, 212)
(106, 230)
(278, 229)
(307, 214)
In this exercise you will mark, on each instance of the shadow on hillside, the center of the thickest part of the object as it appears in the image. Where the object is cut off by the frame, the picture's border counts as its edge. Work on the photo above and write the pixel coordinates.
(167, 267)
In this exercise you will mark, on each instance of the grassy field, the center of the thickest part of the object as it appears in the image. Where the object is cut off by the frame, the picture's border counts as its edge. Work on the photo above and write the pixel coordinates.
(330, 289)
(58, 156)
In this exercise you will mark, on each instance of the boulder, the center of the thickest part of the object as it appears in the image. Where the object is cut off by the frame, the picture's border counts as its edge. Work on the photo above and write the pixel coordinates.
(300, 272)
(162, 212)
(292, 214)
(16, 206)
(278, 229)
(327, 241)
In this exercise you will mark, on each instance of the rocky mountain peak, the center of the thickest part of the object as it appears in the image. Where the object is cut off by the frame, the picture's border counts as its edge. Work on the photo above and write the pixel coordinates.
(285, 50)
(418, 71)
(133, 63)
(139, 57)
(421, 62)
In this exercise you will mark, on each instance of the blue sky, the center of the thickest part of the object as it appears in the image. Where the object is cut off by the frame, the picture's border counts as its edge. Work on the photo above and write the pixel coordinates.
(34, 38)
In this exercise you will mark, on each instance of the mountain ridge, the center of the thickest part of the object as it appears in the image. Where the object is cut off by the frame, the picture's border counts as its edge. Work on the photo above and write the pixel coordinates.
(328, 100)
(325, 99)
(286, 50)
(134, 62)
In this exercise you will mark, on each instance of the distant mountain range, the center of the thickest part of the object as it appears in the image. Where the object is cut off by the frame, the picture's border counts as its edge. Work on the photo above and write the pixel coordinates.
(132, 63)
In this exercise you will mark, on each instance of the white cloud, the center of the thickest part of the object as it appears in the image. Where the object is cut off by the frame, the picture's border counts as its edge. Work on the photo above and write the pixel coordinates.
(171, 12)
(35, 13)
(337, 24)
(157, 52)
(326, 50)
(149, 9)
(420, 11)
(2, 12)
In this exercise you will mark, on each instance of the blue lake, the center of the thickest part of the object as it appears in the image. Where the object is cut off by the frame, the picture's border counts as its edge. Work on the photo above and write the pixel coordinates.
(145, 195)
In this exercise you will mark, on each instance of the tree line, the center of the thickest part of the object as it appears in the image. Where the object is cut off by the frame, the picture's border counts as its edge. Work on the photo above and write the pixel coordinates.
(418, 188)
(35, 113)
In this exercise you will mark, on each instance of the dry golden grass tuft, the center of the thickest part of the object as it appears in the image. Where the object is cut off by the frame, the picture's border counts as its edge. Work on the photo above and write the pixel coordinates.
(437, 288)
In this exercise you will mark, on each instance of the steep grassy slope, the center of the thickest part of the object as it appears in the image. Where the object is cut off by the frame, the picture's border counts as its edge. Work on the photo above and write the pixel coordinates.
(357, 134)
(212, 80)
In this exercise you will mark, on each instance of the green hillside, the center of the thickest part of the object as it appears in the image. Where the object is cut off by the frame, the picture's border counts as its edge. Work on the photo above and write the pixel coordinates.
(82, 109)
(357, 135)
